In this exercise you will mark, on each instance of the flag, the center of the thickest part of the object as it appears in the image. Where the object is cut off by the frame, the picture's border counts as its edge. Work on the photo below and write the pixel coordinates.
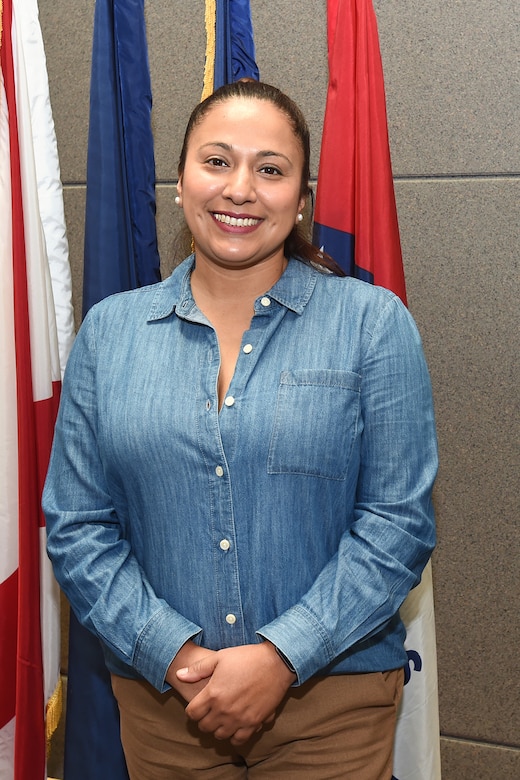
(356, 218)
(31, 228)
(230, 50)
(356, 223)
(120, 235)
(120, 254)
(50, 190)
(417, 750)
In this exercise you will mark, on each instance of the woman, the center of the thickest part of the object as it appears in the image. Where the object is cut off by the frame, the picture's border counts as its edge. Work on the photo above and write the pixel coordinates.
(239, 495)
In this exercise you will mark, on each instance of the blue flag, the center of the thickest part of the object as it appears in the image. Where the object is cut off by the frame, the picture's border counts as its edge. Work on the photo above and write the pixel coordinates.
(92, 743)
(120, 236)
(230, 48)
(120, 254)
(234, 50)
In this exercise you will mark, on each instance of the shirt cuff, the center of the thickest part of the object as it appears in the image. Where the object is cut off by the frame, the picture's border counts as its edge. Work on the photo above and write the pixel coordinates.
(300, 637)
(158, 644)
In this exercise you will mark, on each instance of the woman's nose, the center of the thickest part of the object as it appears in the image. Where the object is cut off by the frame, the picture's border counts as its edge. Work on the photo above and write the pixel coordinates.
(240, 185)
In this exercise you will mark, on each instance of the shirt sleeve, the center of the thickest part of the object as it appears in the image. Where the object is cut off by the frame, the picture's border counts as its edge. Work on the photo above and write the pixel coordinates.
(93, 562)
(381, 556)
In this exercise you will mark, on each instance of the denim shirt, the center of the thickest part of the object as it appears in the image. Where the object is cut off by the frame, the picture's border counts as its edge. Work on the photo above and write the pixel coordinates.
(300, 513)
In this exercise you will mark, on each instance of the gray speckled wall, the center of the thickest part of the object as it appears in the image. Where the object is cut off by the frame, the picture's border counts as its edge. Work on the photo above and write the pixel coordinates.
(453, 89)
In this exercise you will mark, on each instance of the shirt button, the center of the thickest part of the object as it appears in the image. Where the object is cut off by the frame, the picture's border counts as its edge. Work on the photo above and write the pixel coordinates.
(231, 619)
(229, 400)
(248, 348)
(208, 405)
(225, 544)
(265, 301)
(219, 471)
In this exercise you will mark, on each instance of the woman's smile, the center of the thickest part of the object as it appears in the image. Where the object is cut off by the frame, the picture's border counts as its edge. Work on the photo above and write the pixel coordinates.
(236, 222)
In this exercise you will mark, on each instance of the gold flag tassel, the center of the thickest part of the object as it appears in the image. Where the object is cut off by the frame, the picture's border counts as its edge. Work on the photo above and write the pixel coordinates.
(53, 713)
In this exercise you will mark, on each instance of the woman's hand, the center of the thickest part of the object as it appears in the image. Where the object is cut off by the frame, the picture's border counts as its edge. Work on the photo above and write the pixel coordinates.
(243, 687)
(189, 655)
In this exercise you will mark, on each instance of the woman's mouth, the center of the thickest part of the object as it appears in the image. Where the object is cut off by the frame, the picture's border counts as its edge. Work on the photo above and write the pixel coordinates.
(240, 222)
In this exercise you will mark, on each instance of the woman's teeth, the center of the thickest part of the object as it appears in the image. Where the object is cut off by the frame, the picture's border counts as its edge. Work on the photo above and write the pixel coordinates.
(236, 221)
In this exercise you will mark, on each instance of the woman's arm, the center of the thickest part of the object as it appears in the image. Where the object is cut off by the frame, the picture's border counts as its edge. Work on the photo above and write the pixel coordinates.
(382, 554)
(93, 562)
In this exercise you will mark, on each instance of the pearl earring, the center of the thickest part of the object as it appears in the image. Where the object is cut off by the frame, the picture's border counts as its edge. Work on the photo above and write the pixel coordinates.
(299, 218)
(177, 200)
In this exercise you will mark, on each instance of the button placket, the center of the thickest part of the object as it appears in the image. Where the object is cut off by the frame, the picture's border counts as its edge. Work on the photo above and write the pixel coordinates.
(228, 594)
(220, 432)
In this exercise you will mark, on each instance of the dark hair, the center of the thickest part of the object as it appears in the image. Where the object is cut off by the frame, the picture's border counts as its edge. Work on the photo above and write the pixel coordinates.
(296, 243)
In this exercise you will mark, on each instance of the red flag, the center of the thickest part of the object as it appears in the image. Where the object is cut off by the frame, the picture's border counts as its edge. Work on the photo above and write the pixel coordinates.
(29, 394)
(356, 223)
(356, 217)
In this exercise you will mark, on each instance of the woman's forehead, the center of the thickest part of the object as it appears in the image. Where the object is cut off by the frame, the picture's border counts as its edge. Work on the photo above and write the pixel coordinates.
(246, 106)
(248, 113)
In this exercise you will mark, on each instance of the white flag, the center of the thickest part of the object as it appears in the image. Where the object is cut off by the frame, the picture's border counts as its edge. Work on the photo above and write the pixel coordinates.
(417, 745)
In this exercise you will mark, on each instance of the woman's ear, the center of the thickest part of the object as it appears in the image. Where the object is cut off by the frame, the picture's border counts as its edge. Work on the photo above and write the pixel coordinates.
(178, 197)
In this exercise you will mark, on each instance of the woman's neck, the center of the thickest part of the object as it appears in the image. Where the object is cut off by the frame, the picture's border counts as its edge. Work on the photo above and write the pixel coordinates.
(238, 286)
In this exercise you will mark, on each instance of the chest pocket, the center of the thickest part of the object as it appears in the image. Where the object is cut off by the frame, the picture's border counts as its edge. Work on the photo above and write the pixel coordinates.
(315, 424)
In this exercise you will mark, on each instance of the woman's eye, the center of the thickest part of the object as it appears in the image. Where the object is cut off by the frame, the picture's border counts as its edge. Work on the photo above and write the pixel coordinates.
(271, 170)
(216, 162)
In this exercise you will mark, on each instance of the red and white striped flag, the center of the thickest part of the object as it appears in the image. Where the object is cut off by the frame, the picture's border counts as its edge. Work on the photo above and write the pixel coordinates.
(32, 241)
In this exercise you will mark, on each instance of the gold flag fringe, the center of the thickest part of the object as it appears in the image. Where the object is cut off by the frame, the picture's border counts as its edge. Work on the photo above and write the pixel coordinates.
(53, 713)
(210, 19)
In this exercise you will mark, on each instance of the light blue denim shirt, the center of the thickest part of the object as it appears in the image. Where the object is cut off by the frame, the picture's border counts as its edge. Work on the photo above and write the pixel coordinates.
(301, 513)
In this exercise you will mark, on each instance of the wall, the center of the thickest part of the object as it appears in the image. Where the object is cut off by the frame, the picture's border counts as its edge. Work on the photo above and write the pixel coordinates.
(453, 90)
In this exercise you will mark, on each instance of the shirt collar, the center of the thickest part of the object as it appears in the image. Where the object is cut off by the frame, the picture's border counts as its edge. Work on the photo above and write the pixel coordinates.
(293, 290)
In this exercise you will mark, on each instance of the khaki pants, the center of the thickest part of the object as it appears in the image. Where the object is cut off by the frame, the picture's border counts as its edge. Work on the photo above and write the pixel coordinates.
(339, 727)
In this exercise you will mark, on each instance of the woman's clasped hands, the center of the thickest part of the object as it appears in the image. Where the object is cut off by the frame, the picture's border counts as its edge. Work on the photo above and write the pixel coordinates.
(231, 693)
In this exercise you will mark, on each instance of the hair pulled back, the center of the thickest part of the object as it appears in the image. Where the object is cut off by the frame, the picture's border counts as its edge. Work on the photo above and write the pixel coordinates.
(296, 244)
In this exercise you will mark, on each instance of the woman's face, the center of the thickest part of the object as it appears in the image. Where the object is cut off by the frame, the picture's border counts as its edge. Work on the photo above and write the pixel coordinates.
(241, 184)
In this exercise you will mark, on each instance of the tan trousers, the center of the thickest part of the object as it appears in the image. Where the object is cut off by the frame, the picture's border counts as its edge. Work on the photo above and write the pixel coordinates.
(330, 728)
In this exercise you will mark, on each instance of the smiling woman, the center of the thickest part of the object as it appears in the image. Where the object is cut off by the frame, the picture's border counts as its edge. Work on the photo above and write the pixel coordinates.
(239, 496)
